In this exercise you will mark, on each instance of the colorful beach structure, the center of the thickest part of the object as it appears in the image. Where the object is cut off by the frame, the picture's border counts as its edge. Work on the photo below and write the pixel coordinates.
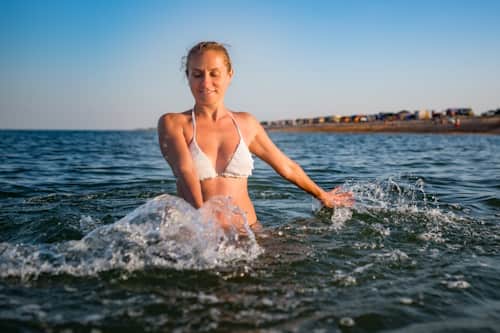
(402, 115)
(450, 120)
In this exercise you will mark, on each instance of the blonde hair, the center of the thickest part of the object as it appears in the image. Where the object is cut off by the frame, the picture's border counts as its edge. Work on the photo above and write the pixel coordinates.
(201, 47)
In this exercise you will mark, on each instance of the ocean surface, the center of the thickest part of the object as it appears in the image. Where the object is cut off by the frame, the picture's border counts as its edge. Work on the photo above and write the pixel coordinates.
(92, 238)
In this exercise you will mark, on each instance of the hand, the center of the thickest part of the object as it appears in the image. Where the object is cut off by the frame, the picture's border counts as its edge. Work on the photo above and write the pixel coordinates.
(226, 215)
(337, 198)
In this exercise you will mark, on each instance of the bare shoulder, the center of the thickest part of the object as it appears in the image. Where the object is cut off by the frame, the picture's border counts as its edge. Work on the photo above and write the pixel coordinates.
(170, 121)
(247, 119)
(250, 126)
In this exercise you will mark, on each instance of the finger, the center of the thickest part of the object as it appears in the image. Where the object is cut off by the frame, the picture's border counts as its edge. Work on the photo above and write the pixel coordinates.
(339, 189)
(343, 195)
(335, 190)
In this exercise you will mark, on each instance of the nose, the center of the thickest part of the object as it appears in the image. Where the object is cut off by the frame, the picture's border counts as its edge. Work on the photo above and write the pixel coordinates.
(206, 81)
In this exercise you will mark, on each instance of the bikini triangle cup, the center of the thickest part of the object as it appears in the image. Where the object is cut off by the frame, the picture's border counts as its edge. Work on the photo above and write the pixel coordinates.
(240, 165)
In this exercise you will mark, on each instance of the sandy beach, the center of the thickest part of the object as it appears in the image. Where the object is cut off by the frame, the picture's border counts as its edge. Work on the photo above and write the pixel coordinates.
(479, 125)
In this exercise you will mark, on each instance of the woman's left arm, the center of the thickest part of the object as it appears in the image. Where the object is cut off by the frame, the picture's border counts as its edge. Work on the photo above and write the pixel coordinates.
(263, 147)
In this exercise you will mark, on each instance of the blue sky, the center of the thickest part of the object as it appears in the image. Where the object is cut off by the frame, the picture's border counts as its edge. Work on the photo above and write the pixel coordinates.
(116, 64)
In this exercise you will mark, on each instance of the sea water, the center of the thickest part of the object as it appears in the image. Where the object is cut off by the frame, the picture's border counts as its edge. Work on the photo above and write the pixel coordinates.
(92, 238)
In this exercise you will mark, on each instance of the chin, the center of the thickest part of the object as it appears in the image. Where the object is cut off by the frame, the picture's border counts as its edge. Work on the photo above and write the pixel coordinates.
(207, 101)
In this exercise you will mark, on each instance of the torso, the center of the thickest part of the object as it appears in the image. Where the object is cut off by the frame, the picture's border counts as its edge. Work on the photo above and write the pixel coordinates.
(219, 150)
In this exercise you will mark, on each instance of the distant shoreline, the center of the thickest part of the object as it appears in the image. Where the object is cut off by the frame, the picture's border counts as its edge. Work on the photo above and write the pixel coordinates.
(476, 125)
(468, 125)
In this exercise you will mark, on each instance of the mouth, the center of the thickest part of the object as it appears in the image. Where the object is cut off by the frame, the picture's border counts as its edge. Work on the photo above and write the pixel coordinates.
(207, 91)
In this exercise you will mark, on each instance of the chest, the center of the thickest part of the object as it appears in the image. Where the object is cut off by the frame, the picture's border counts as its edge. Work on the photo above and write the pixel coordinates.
(218, 142)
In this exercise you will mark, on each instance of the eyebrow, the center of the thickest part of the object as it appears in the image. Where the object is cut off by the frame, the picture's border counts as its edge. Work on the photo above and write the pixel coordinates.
(201, 70)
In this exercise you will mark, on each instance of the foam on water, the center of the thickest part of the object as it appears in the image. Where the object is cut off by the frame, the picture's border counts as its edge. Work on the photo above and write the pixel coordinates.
(390, 194)
(165, 232)
(395, 202)
(395, 223)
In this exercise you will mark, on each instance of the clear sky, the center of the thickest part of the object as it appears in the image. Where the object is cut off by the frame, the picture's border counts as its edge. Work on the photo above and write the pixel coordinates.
(116, 64)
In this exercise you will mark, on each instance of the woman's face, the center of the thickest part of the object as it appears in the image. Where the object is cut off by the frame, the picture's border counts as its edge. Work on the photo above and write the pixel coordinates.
(208, 77)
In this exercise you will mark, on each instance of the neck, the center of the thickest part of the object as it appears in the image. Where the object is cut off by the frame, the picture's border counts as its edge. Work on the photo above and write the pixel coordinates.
(214, 112)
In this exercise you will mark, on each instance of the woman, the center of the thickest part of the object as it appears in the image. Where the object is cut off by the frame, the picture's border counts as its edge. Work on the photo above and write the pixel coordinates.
(209, 147)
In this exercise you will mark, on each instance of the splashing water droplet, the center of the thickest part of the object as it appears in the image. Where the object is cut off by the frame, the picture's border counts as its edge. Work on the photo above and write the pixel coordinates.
(347, 322)
(165, 232)
(338, 215)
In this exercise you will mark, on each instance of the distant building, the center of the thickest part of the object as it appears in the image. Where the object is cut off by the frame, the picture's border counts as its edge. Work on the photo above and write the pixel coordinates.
(405, 115)
(332, 119)
(318, 120)
(491, 113)
(437, 115)
(359, 119)
(452, 112)
(423, 115)
(387, 116)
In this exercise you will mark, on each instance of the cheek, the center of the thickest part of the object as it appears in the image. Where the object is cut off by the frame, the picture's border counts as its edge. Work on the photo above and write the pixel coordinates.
(223, 83)
(193, 82)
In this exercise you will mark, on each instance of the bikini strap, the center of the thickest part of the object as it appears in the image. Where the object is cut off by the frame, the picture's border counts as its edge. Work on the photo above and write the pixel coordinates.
(230, 114)
(236, 124)
(193, 117)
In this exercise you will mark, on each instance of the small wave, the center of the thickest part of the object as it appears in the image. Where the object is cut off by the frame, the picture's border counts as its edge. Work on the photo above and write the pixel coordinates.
(165, 232)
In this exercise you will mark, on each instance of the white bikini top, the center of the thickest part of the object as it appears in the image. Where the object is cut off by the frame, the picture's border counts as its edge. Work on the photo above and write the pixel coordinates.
(240, 165)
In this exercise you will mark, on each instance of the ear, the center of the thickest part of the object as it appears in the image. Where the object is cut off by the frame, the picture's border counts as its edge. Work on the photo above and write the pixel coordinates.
(231, 73)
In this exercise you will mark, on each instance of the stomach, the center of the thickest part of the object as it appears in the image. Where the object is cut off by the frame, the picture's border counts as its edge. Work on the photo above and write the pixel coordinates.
(236, 189)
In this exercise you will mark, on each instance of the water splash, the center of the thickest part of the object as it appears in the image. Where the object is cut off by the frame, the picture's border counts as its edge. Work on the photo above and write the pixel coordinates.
(399, 208)
(338, 216)
(404, 204)
(391, 194)
(165, 232)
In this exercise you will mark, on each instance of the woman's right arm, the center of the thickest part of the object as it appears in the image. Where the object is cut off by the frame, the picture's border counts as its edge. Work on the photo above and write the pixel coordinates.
(265, 149)
(176, 152)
